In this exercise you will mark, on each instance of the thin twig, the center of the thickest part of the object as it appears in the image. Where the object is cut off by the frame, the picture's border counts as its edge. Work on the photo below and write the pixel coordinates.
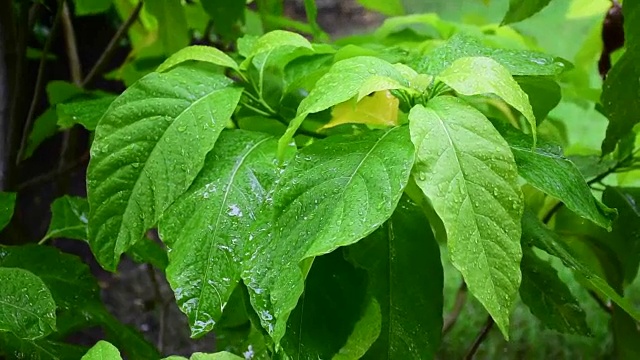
(159, 300)
(112, 46)
(51, 175)
(479, 339)
(39, 82)
(75, 68)
(461, 298)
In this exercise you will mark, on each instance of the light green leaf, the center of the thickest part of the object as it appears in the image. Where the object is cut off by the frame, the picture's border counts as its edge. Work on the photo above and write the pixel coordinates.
(523, 9)
(410, 295)
(548, 298)
(85, 112)
(467, 170)
(482, 75)
(334, 287)
(41, 349)
(354, 77)
(91, 7)
(535, 233)
(274, 40)
(173, 29)
(222, 355)
(365, 332)
(69, 218)
(211, 219)
(386, 7)
(548, 170)
(198, 53)
(147, 150)
(26, 306)
(102, 350)
(311, 9)
(335, 192)
(7, 205)
(543, 92)
(518, 62)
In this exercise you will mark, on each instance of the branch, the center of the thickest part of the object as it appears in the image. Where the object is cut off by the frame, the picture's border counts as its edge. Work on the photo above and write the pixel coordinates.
(51, 175)
(461, 298)
(112, 46)
(479, 339)
(39, 80)
(75, 68)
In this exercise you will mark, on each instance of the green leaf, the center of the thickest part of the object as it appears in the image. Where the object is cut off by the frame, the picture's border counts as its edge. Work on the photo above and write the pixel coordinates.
(625, 335)
(173, 29)
(147, 150)
(354, 77)
(406, 278)
(334, 287)
(7, 205)
(624, 240)
(548, 298)
(482, 75)
(386, 7)
(198, 53)
(226, 16)
(364, 333)
(102, 350)
(467, 170)
(535, 233)
(86, 112)
(222, 355)
(211, 219)
(548, 170)
(523, 9)
(543, 92)
(518, 62)
(335, 192)
(91, 7)
(69, 218)
(41, 349)
(26, 306)
(274, 40)
(147, 251)
(311, 10)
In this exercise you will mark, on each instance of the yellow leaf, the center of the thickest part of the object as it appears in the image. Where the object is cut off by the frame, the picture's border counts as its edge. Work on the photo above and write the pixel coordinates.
(378, 110)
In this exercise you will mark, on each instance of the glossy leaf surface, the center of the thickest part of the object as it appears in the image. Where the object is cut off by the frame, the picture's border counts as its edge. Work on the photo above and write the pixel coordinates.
(102, 350)
(198, 53)
(69, 218)
(212, 219)
(335, 192)
(86, 113)
(467, 170)
(147, 150)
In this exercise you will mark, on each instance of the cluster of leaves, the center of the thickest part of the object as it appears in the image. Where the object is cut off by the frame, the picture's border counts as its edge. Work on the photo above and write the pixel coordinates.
(290, 180)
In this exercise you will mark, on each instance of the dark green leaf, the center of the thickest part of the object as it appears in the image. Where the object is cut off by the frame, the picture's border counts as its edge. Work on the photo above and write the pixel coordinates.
(7, 205)
(172, 23)
(467, 170)
(335, 192)
(102, 351)
(91, 7)
(42, 349)
(549, 171)
(334, 287)
(150, 252)
(535, 233)
(548, 298)
(523, 9)
(625, 335)
(26, 306)
(69, 218)
(483, 75)
(624, 240)
(147, 150)
(543, 93)
(518, 62)
(227, 16)
(211, 219)
(86, 113)
(405, 276)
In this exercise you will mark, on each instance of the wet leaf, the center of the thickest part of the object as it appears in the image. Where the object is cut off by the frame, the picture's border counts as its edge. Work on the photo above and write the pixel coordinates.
(206, 228)
(102, 350)
(147, 150)
(378, 110)
(41, 349)
(548, 298)
(406, 278)
(85, 112)
(69, 218)
(198, 53)
(335, 192)
(7, 205)
(26, 307)
(468, 172)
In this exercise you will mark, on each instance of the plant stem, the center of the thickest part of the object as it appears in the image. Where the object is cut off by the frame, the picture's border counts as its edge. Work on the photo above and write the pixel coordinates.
(479, 339)
(39, 82)
(75, 68)
(40, 179)
(112, 46)
(461, 298)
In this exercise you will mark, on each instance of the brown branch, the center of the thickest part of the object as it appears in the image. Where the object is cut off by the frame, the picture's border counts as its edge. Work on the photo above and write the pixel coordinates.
(461, 298)
(52, 175)
(479, 339)
(39, 82)
(112, 46)
(75, 68)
